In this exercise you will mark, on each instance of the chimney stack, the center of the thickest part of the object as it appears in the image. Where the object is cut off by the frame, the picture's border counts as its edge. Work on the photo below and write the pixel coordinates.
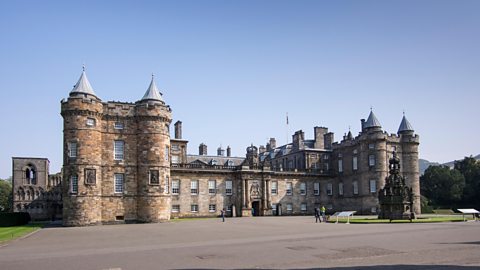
(229, 151)
(178, 130)
(202, 149)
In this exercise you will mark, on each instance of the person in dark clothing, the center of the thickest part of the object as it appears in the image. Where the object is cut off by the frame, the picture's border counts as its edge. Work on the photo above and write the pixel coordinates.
(317, 215)
(222, 213)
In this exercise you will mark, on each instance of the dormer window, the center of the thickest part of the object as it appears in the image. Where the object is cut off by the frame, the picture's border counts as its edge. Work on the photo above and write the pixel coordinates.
(230, 163)
(213, 162)
(90, 122)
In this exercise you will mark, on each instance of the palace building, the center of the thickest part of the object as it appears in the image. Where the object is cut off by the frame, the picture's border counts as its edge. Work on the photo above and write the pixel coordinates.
(120, 165)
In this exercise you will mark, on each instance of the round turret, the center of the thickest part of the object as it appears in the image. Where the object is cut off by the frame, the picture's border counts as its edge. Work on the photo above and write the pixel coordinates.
(82, 156)
(153, 121)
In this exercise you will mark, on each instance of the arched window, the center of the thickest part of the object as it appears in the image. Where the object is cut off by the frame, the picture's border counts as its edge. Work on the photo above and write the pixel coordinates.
(30, 175)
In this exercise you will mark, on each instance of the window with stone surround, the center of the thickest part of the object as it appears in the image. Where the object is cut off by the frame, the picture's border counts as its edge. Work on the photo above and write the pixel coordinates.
(118, 125)
(228, 187)
(167, 185)
(176, 187)
(303, 207)
(289, 190)
(212, 208)
(175, 208)
(118, 150)
(340, 189)
(72, 149)
(373, 186)
(340, 165)
(212, 187)
(194, 208)
(175, 159)
(167, 151)
(303, 188)
(274, 188)
(74, 184)
(229, 208)
(194, 187)
(354, 163)
(91, 122)
(329, 189)
(316, 189)
(355, 187)
(289, 207)
(119, 181)
(371, 160)
(154, 177)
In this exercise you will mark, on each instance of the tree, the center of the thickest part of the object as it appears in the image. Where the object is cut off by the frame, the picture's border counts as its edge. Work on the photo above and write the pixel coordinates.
(5, 196)
(469, 167)
(443, 186)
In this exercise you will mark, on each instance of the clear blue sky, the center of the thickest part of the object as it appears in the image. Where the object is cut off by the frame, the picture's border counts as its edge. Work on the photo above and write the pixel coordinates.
(231, 70)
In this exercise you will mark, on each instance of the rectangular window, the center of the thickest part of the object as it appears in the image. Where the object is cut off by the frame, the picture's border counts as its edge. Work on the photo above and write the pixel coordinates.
(274, 208)
(118, 125)
(72, 149)
(373, 186)
(74, 184)
(166, 152)
(329, 189)
(355, 188)
(340, 189)
(371, 146)
(167, 185)
(229, 208)
(316, 189)
(119, 179)
(355, 163)
(90, 122)
(212, 208)
(371, 160)
(303, 207)
(212, 187)
(289, 189)
(194, 187)
(289, 207)
(175, 208)
(228, 187)
(176, 187)
(194, 208)
(340, 165)
(274, 188)
(90, 176)
(175, 147)
(303, 189)
(118, 148)
(154, 177)
(175, 159)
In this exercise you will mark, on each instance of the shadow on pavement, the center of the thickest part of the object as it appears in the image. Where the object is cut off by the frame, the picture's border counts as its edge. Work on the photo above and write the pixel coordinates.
(378, 267)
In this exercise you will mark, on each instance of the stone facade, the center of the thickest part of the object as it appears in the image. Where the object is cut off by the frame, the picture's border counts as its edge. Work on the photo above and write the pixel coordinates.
(34, 190)
(120, 165)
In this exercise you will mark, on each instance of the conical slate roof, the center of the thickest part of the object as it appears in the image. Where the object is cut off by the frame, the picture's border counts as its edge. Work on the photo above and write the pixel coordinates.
(405, 125)
(152, 92)
(372, 121)
(83, 86)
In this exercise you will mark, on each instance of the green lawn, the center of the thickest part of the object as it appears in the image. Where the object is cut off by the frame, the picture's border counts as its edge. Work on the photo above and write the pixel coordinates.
(10, 233)
(456, 218)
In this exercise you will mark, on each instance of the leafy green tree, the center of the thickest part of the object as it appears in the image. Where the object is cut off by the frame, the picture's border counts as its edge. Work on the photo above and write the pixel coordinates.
(470, 169)
(442, 186)
(5, 196)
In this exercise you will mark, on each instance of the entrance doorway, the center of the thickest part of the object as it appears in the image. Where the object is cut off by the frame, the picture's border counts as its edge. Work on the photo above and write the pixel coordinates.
(256, 209)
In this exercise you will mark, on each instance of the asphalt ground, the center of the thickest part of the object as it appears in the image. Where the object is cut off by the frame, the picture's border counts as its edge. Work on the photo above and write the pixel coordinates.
(249, 243)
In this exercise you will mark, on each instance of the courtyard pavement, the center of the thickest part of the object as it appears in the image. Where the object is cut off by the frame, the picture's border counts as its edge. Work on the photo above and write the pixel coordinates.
(249, 243)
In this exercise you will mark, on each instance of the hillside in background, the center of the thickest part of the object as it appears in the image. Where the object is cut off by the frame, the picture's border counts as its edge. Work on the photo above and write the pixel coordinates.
(424, 164)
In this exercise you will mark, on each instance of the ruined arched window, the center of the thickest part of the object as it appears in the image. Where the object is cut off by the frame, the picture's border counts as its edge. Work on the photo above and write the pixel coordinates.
(30, 175)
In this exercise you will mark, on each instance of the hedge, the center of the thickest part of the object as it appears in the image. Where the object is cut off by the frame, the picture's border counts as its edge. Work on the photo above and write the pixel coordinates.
(14, 219)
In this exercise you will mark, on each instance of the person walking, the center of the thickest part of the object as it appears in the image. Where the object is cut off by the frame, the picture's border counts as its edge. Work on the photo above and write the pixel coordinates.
(322, 212)
(222, 213)
(317, 215)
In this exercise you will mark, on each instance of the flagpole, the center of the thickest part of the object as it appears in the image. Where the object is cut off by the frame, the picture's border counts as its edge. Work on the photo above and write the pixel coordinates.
(286, 130)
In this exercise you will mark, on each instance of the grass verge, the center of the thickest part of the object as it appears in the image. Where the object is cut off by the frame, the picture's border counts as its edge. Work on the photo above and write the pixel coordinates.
(11, 233)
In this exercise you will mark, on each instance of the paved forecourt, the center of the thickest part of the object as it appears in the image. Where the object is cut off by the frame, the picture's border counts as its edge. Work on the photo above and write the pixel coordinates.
(262, 242)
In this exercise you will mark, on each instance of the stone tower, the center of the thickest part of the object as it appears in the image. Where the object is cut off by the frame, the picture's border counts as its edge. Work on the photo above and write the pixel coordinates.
(82, 155)
(153, 119)
(409, 145)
